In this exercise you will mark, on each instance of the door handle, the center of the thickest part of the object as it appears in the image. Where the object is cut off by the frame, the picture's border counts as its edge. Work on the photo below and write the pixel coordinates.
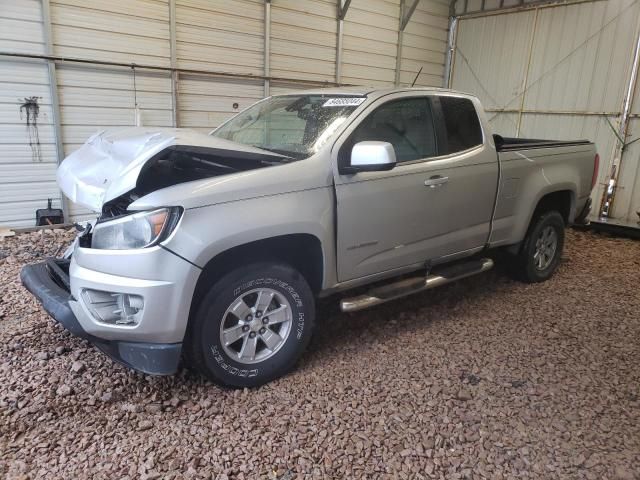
(436, 181)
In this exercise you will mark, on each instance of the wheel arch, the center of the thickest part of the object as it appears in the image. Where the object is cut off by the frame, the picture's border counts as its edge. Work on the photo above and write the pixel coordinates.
(563, 200)
(302, 251)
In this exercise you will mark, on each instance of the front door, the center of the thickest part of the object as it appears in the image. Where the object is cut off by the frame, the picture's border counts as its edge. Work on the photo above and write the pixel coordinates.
(428, 207)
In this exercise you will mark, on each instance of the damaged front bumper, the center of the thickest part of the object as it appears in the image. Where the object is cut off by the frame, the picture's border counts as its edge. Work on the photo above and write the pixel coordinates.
(49, 282)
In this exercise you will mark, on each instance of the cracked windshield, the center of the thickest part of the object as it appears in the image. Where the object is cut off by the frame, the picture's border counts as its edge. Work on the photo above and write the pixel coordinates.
(296, 126)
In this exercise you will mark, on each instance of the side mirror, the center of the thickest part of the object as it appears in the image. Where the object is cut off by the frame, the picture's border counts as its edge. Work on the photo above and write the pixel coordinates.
(372, 156)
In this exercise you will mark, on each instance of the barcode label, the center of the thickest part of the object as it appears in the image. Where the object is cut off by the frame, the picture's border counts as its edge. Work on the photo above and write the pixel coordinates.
(344, 102)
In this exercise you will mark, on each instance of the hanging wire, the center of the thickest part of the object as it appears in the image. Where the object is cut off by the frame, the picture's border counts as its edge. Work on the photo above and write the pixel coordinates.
(31, 109)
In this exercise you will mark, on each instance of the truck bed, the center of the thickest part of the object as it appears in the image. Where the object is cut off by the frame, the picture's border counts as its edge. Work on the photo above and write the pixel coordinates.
(506, 144)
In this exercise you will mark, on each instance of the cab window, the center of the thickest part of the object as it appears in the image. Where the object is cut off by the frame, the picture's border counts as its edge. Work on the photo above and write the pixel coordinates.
(406, 123)
(461, 124)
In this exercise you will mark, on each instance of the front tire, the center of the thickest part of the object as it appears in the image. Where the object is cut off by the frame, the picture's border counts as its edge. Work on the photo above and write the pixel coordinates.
(252, 326)
(541, 251)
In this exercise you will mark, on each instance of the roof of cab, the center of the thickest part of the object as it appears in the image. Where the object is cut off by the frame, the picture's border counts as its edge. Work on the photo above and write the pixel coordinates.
(367, 91)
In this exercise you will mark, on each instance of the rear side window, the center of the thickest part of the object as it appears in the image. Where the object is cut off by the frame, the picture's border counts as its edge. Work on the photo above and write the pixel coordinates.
(462, 125)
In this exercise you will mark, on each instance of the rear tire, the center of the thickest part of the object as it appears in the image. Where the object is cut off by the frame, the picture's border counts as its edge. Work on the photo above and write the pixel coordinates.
(541, 250)
(252, 326)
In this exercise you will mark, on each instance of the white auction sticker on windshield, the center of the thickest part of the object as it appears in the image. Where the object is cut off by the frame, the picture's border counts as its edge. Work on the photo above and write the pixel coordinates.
(344, 102)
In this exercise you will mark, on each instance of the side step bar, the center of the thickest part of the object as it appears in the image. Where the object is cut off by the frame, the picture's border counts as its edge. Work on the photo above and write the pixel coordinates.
(408, 286)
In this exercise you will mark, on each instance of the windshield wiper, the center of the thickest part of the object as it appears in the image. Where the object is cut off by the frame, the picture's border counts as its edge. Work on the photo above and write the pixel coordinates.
(288, 156)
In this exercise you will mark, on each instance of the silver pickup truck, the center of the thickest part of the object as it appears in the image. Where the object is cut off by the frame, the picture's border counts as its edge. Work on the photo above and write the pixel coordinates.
(213, 248)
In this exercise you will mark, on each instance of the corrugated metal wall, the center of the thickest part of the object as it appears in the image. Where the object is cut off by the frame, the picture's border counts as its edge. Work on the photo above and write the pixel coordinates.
(628, 196)
(93, 98)
(559, 72)
(27, 162)
(224, 36)
(210, 35)
(303, 39)
(425, 38)
(371, 42)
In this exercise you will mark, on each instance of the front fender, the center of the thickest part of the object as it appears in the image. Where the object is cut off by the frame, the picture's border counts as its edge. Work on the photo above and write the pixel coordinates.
(206, 232)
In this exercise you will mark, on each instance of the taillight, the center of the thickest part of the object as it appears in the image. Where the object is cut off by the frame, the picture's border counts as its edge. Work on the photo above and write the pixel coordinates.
(596, 166)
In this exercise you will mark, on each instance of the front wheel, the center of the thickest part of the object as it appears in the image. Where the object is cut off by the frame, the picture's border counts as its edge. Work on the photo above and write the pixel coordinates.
(542, 248)
(252, 326)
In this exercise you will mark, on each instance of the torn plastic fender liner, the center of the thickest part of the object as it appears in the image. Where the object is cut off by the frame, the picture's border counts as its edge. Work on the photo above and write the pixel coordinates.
(110, 163)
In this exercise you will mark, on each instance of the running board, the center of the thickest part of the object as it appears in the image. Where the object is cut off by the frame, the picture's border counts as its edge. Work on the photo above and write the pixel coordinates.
(408, 286)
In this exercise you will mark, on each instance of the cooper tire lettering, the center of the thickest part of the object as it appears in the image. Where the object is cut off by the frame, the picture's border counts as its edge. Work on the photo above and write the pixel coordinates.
(203, 345)
(232, 370)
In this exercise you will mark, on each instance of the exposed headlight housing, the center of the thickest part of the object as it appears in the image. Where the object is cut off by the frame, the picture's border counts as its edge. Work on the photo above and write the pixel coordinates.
(138, 230)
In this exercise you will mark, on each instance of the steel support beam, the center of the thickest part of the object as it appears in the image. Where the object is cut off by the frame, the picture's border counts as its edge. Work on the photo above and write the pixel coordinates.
(525, 80)
(609, 193)
(343, 8)
(55, 101)
(267, 47)
(160, 68)
(339, 41)
(451, 52)
(396, 81)
(519, 7)
(406, 15)
(175, 75)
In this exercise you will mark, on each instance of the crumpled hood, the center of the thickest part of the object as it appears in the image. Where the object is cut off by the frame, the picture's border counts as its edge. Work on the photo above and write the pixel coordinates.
(109, 163)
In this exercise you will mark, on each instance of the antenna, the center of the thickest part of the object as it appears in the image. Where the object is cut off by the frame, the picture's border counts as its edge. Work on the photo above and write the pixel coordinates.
(415, 79)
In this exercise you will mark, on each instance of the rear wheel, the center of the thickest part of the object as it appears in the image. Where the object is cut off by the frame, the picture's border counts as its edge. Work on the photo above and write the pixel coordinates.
(252, 326)
(541, 251)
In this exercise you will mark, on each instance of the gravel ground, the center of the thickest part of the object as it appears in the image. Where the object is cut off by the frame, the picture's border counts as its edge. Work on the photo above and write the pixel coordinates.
(486, 378)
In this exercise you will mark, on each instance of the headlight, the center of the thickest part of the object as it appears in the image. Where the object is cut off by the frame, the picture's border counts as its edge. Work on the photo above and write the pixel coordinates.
(138, 230)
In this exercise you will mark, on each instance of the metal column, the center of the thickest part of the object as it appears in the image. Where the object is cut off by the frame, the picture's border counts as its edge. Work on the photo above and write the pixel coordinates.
(175, 75)
(267, 47)
(609, 194)
(339, 52)
(525, 80)
(451, 52)
(341, 9)
(55, 102)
